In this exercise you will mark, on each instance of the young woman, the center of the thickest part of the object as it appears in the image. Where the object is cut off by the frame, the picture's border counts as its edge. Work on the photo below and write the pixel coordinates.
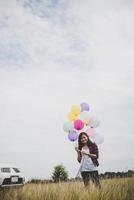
(87, 156)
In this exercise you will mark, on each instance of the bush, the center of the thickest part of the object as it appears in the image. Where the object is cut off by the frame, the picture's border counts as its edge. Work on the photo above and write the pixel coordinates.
(59, 174)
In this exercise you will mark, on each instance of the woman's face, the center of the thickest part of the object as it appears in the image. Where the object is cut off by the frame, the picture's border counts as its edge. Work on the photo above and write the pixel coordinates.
(84, 139)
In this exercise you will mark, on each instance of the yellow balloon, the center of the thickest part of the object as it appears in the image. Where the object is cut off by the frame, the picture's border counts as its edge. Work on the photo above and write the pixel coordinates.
(76, 110)
(71, 116)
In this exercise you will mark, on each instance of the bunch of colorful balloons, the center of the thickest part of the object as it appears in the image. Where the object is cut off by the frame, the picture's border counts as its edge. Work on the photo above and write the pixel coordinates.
(80, 120)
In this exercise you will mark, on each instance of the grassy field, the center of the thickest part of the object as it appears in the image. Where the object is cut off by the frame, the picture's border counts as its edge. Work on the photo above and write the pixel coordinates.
(112, 189)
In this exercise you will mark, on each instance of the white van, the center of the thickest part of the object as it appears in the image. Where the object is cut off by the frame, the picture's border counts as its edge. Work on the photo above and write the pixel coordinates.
(10, 175)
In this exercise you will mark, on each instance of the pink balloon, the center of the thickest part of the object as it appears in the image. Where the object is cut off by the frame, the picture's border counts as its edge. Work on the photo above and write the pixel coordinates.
(78, 124)
(90, 131)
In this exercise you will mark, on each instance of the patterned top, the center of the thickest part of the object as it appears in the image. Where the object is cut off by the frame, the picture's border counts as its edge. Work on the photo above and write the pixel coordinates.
(86, 162)
(93, 150)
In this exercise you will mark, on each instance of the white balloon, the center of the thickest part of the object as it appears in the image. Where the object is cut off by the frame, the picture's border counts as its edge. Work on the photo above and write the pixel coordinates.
(68, 126)
(84, 115)
(98, 139)
(94, 122)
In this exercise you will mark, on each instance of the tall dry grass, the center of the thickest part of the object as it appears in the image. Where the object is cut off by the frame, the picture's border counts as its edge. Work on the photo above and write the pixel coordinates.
(112, 189)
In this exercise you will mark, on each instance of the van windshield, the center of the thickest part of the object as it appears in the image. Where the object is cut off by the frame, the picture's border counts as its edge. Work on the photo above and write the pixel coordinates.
(16, 170)
(5, 170)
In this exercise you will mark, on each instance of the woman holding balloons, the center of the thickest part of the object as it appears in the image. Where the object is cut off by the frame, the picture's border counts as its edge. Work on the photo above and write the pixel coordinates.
(81, 126)
(87, 155)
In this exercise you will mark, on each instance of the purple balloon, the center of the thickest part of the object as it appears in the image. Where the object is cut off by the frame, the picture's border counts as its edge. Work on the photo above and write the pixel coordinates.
(84, 106)
(72, 136)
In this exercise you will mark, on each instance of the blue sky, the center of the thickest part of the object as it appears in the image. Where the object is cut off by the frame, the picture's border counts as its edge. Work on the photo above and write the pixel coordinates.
(54, 54)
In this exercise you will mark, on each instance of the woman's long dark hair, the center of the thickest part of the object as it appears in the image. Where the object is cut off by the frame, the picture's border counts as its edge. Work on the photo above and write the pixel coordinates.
(80, 145)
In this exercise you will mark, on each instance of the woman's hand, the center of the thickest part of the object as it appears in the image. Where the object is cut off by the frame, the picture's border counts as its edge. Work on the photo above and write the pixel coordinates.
(85, 152)
(76, 149)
